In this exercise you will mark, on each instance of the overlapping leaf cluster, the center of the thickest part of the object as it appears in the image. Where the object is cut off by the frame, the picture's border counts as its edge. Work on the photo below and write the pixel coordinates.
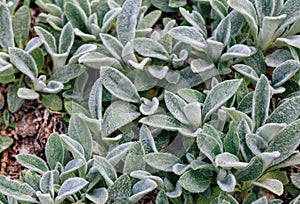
(202, 112)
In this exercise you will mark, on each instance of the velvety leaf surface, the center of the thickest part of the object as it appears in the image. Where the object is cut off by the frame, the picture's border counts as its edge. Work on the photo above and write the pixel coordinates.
(127, 20)
(119, 85)
(194, 181)
(6, 31)
(16, 190)
(70, 187)
(21, 25)
(261, 102)
(161, 121)
(79, 131)
(120, 191)
(54, 150)
(23, 62)
(219, 95)
(282, 142)
(117, 115)
(272, 185)
(150, 48)
(161, 161)
(32, 162)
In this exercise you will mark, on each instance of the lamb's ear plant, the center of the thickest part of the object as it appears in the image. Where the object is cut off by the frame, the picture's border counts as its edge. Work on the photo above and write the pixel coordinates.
(270, 22)
(25, 63)
(249, 154)
(13, 33)
(58, 54)
(215, 53)
(201, 113)
(85, 178)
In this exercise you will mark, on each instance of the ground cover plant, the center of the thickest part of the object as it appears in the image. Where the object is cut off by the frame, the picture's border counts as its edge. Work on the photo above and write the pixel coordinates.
(189, 101)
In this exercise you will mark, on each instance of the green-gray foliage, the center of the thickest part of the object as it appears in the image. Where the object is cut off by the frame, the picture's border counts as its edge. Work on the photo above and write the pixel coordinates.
(199, 108)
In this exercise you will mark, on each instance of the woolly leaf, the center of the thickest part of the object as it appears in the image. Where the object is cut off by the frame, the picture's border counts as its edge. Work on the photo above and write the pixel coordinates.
(238, 51)
(79, 131)
(21, 26)
(149, 20)
(282, 142)
(134, 159)
(13, 101)
(149, 107)
(47, 38)
(70, 187)
(109, 19)
(194, 18)
(296, 179)
(247, 71)
(291, 41)
(273, 185)
(270, 130)
(163, 5)
(23, 62)
(118, 153)
(261, 102)
(191, 95)
(95, 100)
(161, 121)
(54, 150)
(83, 49)
(17, 190)
(97, 60)
(113, 45)
(75, 15)
(253, 171)
(66, 39)
(238, 116)
(278, 57)
(150, 48)
(232, 141)
(291, 11)
(219, 95)
(284, 72)
(161, 161)
(141, 188)
(269, 26)
(246, 8)
(52, 101)
(189, 35)
(202, 65)
(176, 106)
(194, 181)
(73, 146)
(32, 162)
(47, 183)
(117, 115)
(227, 160)
(6, 31)
(119, 85)
(228, 183)
(106, 168)
(28, 94)
(98, 195)
(209, 146)
(256, 143)
(287, 112)
(67, 73)
(193, 113)
(223, 31)
(120, 191)
(127, 20)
